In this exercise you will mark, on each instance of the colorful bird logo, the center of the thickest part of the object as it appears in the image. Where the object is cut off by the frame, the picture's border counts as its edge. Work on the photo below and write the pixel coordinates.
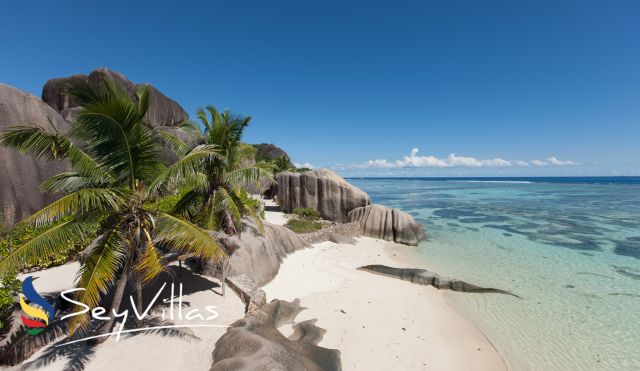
(39, 312)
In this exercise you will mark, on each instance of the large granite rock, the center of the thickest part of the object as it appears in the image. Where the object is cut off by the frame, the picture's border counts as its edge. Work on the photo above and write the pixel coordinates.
(256, 255)
(322, 190)
(381, 222)
(22, 175)
(163, 111)
(269, 152)
(254, 343)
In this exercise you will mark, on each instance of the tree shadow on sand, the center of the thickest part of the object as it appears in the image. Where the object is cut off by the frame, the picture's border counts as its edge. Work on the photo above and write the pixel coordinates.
(78, 355)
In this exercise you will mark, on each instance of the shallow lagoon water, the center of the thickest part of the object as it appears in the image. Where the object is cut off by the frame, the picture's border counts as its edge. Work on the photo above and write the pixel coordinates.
(570, 248)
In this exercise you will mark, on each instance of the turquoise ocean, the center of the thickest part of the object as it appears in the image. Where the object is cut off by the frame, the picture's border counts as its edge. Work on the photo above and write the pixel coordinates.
(570, 247)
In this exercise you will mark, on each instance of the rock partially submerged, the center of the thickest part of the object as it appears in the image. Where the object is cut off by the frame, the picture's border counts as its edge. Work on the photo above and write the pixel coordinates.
(257, 255)
(388, 224)
(426, 278)
(254, 343)
(22, 174)
(322, 190)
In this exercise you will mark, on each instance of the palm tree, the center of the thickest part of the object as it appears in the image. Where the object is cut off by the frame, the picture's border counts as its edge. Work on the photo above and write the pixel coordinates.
(106, 195)
(213, 197)
(283, 163)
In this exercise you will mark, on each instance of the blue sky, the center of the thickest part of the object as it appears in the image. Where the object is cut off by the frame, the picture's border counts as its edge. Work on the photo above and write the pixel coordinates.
(509, 87)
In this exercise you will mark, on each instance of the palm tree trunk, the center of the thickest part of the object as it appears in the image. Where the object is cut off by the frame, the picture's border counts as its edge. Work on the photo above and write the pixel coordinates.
(115, 305)
(223, 277)
(138, 286)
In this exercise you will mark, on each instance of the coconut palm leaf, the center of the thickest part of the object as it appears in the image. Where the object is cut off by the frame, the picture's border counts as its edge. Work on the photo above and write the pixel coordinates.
(47, 244)
(181, 236)
(81, 201)
(99, 272)
(149, 263)
(225, 207)
(179, 147)
(71, 182)
(186, 167)
(37, 142)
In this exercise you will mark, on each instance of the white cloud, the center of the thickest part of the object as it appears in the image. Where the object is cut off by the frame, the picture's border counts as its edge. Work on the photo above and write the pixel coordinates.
(306, 164)
(555, 161)
(413, 160)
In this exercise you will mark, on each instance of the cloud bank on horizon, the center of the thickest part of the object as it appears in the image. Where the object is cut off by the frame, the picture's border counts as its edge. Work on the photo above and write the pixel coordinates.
(413, 160)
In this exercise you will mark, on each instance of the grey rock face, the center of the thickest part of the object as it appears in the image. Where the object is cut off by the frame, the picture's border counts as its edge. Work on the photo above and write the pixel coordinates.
(268, 151)
(427, 278)
(22, 175)
(381, 222)
(163, 111)
(254, 343)
(258, 256)
(322, 190)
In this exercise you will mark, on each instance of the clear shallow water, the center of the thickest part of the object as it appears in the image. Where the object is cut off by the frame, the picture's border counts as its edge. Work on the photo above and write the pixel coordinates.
(570, 247)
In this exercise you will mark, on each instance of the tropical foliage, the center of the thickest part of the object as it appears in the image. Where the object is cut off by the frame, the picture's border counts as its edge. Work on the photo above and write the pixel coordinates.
(213, 188)
(116, 175)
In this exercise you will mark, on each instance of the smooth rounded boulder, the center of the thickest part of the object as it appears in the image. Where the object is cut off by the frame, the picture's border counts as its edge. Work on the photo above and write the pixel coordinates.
(22, 174)
(322, 190)
(388, 224)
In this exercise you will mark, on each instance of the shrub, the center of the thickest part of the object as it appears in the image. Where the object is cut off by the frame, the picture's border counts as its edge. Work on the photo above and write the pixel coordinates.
(307, 213)
(303, 226)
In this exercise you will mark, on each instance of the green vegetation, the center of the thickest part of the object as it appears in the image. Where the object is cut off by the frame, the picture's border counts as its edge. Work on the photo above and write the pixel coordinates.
(303, 226)
(307, 213)
(214, 198)
(116, 175)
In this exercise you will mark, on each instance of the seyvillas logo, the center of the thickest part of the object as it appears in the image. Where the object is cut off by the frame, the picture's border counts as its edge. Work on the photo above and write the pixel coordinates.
(38, 311)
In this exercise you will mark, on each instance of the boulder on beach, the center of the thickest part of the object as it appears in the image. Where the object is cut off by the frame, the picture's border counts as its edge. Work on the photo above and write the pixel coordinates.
(22, 174)
(322, 190)
(388, 224)
(254, 343)
(163, 111)
(257, 255)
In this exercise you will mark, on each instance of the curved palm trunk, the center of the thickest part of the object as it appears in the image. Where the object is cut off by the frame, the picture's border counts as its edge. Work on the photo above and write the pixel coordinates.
(138, 288)
(115, 305)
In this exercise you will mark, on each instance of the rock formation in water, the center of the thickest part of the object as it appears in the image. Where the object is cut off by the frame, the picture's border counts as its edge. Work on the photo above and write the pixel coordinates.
(322, 190)
(254, 343)
(426, 278)
(388, 224)
(256, 255)
(22, 174)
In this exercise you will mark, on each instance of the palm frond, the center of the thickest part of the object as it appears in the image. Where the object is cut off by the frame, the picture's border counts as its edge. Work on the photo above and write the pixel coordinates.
(179, 147)
(82, 201)
(47, 244)
(187, 166)
(149, 263)
(189, 204)
(69, 182)
(253, 174)
(225, 207)
(98, 272)
(181, 236)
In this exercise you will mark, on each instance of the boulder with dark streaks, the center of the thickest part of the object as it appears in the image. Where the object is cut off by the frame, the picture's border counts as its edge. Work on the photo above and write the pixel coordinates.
(388, 224)
(254, 343)
(22, 174)
(163, 111)
(258, 255)
(322, 190)
(426, 278)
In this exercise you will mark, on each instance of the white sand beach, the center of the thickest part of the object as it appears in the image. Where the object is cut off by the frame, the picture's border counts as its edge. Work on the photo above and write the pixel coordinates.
(379, 323)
